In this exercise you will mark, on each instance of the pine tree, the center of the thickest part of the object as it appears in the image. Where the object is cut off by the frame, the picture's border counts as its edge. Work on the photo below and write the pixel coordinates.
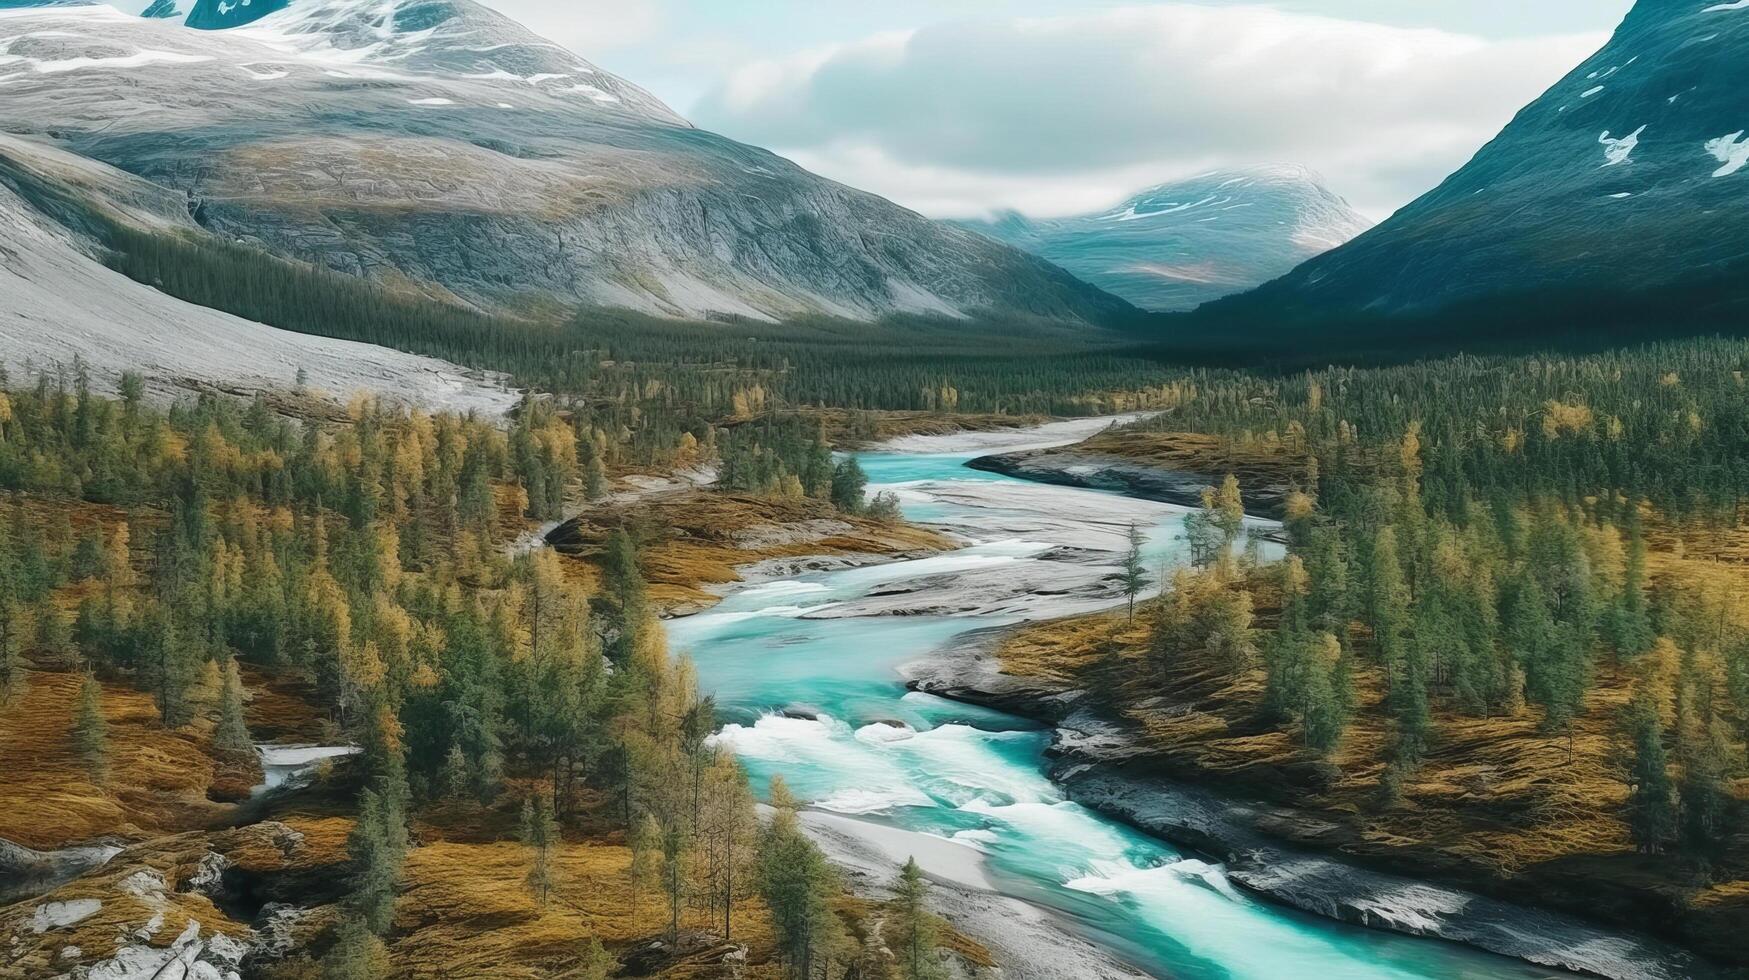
(1135, 575)
(848, 484)
(540, 833)
(357, 953)
(646, 847)
(378, 847)
(91, 730)
(797, 884)
(1708, 761)
(915, 929)
(231, 735)
(1651, 800)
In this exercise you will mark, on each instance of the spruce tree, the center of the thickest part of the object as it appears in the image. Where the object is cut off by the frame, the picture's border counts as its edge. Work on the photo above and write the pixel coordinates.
(797, 884)
(915, 929)
(378, 848)
(540, 833)
(54, 640)
(1630, 625)
(645, 840)
(848, 484)
(1652, 798)
(1708, 762)
(91, 730)
(1388, 602)
(231, 735)
(357, 953)
(1135, 575)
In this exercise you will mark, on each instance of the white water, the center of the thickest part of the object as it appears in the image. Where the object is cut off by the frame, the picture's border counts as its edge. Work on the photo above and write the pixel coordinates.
(810, 684)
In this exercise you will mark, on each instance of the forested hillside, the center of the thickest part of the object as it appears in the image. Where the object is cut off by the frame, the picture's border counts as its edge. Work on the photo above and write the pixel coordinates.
(170, 579)
(1508, 638)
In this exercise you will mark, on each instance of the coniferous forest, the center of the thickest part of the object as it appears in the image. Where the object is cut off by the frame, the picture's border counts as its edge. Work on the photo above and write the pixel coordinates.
(1544, 541)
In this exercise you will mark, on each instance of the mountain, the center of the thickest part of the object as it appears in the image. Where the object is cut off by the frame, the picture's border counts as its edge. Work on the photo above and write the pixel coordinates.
(1182, 244)
(1619, 199)
(436, 145)
(58, 303)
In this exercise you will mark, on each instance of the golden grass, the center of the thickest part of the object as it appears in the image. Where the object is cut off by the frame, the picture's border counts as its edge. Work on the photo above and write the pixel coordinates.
(465, 911)
(1258, 463)
(696, 538)
(1494, 798)
(157, 780)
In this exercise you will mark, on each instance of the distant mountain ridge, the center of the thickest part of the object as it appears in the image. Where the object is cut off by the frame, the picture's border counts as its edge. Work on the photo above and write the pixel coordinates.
(437, 146)
(1618, 200)
(1180, 244)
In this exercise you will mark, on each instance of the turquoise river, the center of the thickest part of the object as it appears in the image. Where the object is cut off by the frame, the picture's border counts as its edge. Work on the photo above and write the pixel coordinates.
(820, 701)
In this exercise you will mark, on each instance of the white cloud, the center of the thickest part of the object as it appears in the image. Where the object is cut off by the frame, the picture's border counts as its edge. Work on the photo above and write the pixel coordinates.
(1060, 114)
(589, 26)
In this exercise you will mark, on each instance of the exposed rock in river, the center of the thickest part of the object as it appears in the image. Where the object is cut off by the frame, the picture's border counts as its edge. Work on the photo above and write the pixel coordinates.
(1274, 851)
(1074, 467)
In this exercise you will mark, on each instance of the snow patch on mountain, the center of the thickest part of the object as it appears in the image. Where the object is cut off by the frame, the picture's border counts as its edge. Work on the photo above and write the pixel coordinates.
(1557, 218)
(1616, 151)
(1731, 150)
(1177, 245)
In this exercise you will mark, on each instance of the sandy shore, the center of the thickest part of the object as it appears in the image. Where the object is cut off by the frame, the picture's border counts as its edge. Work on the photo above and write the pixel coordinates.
(1029, 942)
(1047, 436)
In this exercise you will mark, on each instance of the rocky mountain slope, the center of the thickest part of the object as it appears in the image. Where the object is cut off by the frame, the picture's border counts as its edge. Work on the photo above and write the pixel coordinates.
(1620, 196)
(58, 304)
(437, 144)
(1181, 244)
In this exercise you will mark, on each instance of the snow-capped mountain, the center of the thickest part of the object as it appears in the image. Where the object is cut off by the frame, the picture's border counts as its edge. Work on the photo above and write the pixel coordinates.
(1180, 244)
(58, 303)
(437, 145)
(1618, 198)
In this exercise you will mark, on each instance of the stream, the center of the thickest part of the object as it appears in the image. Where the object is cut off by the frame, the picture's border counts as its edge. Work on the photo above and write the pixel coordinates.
(805, 669)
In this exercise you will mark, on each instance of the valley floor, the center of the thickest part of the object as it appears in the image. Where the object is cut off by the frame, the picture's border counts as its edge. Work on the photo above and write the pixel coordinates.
(1499, 805)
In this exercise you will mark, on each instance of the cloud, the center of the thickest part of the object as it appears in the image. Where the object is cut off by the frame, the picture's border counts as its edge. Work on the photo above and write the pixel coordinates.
(1060, 114)
(589, 26)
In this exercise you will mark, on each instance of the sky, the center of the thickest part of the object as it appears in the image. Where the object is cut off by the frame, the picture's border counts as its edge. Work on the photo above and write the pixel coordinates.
(963, 107)
(959, 108)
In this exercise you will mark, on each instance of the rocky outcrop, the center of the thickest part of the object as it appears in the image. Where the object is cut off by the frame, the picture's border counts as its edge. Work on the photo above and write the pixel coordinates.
(25, 872)
(196, 905)
(1074, 466)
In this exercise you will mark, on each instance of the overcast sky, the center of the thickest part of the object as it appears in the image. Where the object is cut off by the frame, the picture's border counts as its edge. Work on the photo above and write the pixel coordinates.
(960, 107)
